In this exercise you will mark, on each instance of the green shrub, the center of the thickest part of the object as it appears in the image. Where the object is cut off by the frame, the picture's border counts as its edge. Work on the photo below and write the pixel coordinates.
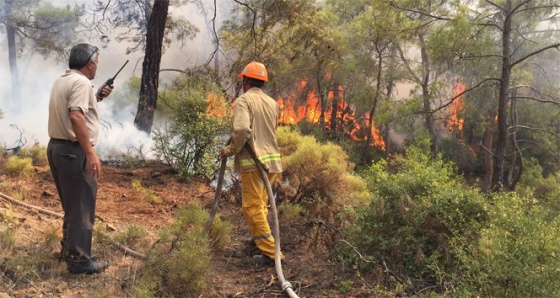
(219, 234)
(132, 236)
(421, 206)
(17, 166)
(314, 170)
(179, 263)
(37, 154)
(545, 189)
(517, 254)
(199, 117)
(463, 156)
(289, 139)
(8, 238)
(291, 212)
(146, 194)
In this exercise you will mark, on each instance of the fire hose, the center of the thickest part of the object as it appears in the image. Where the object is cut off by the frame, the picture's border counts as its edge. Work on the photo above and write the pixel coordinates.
(285, 285)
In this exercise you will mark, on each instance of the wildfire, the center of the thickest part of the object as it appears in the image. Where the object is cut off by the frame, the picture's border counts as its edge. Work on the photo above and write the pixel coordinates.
(456, 107)
(344, 115)
(456, 123)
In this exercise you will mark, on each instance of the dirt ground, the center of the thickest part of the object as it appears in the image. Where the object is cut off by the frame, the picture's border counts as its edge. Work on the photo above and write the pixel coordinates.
(308, 268)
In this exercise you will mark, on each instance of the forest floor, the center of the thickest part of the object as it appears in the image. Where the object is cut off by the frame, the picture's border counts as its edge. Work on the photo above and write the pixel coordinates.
(309, 266)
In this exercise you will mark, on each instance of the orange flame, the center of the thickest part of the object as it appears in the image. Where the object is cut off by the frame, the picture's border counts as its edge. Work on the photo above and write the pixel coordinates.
(291, 113)
(456, 107)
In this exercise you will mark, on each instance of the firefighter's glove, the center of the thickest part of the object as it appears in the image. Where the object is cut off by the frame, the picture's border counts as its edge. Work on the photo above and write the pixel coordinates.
(226, 152)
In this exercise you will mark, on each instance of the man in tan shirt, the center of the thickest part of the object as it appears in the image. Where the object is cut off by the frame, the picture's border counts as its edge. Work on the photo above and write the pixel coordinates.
(255, 120)
(73, 127)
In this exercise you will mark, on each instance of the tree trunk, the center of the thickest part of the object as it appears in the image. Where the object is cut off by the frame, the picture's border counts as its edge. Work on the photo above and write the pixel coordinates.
(150, 67)
(426, 97)
(375, 100)
(11, 35)
(515, 170)
(501, 143)
(488, 159)
(334, 109)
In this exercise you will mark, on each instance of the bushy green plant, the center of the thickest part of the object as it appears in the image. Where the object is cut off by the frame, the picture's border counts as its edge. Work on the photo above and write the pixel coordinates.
(289, 139)
(219, 234)
(178, 264)
(38, 155)
(318, 170)
(291, 212)
(460, 154)
(199, 117)
(132, 236)
(517, 254)
(545, 189)
(8, 238)
(147, 194)
(17, 166)
(420, 207)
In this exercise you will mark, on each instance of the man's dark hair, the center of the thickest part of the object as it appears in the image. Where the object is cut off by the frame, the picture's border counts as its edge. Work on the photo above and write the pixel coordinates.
(80, 55)
(254, 82)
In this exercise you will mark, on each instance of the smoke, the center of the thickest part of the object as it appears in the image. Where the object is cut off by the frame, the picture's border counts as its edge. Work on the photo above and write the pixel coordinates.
(118, 135)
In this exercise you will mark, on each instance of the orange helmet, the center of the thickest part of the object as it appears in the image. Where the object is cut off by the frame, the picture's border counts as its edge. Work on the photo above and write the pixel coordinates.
(255, 70)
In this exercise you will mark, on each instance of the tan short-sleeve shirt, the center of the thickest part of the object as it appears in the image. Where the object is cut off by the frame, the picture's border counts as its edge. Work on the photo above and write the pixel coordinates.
(72, 91)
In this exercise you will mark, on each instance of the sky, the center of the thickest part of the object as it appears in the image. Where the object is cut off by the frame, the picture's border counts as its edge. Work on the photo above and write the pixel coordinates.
(118, 133)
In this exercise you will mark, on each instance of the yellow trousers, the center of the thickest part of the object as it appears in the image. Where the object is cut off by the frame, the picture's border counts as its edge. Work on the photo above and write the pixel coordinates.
(254, 201)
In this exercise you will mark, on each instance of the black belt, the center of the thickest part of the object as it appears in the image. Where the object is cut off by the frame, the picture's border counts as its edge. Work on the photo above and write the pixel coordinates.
(61, 141)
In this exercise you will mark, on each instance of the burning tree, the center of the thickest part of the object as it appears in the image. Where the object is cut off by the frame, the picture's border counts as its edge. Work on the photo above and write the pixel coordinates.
(339, 117)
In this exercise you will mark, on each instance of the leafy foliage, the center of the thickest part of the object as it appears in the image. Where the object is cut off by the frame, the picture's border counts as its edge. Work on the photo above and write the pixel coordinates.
(44, 28)
(18, 166)
(146, 194)
(37, 154)
(199, 117)
(132, 236)
(420, 208)
(546, 190)
(516, 255)
(317, 172)
(178, 264)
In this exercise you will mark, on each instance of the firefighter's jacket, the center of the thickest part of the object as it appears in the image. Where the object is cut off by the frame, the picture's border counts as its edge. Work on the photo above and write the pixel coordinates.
(255, 119)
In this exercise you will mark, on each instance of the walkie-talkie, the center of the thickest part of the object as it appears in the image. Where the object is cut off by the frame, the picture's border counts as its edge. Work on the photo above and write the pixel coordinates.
(110, 81)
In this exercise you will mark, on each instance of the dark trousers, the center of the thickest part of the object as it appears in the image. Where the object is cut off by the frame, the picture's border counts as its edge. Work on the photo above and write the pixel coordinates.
(77, 191)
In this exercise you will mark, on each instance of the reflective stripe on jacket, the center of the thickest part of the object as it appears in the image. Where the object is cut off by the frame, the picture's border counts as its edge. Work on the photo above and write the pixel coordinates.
(255, 119)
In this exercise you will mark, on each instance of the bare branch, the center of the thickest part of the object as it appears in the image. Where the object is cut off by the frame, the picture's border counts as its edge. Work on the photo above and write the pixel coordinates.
(451, 100)
(537, 99)
(535, 129)
(556, 45)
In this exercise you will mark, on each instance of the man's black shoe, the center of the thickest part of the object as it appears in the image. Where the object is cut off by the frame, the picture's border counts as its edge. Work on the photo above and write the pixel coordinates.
(86, 267)
(250, 242)
(262, 261)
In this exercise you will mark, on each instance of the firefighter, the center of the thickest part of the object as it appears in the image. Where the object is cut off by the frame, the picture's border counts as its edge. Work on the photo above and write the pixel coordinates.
(254, 122)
